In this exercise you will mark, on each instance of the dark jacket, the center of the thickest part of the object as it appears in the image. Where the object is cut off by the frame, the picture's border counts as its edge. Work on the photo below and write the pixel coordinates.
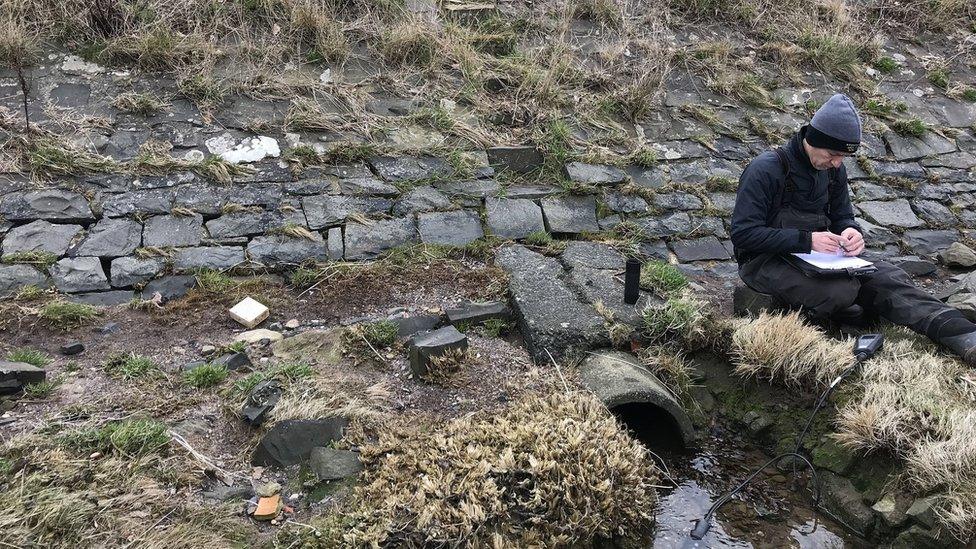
(760, 191)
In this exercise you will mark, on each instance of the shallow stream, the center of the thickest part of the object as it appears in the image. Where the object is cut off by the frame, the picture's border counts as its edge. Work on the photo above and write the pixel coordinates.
(773, 511)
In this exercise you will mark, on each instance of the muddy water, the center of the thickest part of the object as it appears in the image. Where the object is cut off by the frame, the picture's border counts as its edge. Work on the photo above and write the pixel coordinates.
(773, 511)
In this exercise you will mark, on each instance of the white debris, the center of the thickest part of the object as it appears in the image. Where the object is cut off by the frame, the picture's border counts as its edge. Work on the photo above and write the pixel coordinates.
(292, 139)
(918, 92)
(249, 312)
(326, 76)
(251, 149)
(899, 57)
(194, 155)
(76, 65)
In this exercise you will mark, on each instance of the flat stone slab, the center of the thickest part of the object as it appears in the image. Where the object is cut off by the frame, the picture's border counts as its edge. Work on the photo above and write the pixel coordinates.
(579, 253)
(146, 202)
(248, 223)
(670, 225)
(454, 228)
(14, 375)
(281, 249)
(617, 379)
(595, 174)
(478, 313)
(173, 230)
(707, 248)
(112, 298)
(914, 265)
(518, 159)
(40, 236)
(129, 271)
(891, 213)
(429, 345)
(208, 257)
(317, 346)
(290, 442)
(13, 278)
(550, 315)
(329, 210)
(410, 325)
(914, 148)
(110, 238)
(369, 241)
(81, 274)
(49, 204)
(403, 168)
(513, 218)
(169, 287)
(332, 464)
(929, 242)
(570, 214)
(420, 199)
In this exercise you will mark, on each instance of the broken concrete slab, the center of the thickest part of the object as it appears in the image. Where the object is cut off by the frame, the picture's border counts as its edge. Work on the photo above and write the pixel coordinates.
(550, 315)
(430, 345)
(290, 442)
(410, 325)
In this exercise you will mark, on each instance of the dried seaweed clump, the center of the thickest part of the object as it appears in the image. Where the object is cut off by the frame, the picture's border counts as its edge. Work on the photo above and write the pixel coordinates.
(551, 470)
(782, 347)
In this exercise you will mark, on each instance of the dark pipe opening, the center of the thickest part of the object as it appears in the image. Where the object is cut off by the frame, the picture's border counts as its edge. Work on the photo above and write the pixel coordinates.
(651, 425)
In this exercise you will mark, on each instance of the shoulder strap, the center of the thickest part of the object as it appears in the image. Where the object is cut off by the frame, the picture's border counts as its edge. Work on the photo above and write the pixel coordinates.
(788, 186)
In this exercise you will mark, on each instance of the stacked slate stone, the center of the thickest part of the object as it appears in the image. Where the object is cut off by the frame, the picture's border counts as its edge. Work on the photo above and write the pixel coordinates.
(113, 236)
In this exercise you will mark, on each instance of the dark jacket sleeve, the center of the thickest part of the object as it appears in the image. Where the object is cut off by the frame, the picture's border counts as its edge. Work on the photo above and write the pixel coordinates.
(841, 210)
(754, 202)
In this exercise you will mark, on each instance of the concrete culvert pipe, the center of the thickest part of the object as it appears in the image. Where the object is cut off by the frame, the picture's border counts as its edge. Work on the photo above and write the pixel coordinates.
(637, 398)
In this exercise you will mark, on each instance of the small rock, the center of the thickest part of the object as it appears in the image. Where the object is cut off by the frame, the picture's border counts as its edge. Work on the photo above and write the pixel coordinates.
(292, 324)
(268, 490)
(233, 361)
(95, 455)
(433, 344)
(193, 365)
(958, 255)
(73, 348)
(332, 464)
(256, 336)
(249, 312)
(923, 512)
(478, 313)
(109, 328)
(14, 375)
(290, 442)
(208, 350)
(268, 508)
(262, 400)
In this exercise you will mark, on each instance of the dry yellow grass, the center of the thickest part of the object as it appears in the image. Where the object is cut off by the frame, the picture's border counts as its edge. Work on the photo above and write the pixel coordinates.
(492, 479)
(910, 400)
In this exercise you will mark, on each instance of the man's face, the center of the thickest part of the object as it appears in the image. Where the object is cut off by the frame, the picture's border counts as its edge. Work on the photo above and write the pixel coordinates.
(823, 159)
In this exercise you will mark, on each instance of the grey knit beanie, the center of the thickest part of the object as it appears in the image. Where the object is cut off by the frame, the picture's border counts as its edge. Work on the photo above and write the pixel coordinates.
(836, 125)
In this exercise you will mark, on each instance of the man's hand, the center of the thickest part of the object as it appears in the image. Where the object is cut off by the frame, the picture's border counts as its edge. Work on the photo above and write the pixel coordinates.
(826, 242)
(853, 241)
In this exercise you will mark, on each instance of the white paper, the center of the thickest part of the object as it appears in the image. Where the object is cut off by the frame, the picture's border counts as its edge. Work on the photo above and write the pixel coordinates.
(832, 261)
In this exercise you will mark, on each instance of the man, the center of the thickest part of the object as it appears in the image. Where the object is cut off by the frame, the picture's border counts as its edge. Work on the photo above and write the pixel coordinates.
(796, 200)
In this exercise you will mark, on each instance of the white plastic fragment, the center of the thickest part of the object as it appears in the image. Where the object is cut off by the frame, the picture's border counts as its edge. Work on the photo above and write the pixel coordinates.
(249, 312)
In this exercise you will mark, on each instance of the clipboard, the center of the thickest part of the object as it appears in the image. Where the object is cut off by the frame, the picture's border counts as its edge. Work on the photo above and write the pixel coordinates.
(821, 265)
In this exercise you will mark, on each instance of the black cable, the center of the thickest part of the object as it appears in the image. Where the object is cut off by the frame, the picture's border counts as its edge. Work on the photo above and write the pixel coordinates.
(704, 524)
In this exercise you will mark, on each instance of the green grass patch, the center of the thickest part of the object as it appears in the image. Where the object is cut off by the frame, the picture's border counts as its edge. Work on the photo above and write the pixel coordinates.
(36, 258)
(66, 315)
(662, 278)
(29, 356)
(304, 277)
(539, 238)
(495, 327)
(886, 65)
(132, 437)
(382, 333)
(129, 366)
(939, 78)
(30, 292)
(41, 389)
(205, 376)
(909, 128)
(215, 282)
(645, 157)
(145, 104)
(46, 156)
(348, 153)
(288, 372)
